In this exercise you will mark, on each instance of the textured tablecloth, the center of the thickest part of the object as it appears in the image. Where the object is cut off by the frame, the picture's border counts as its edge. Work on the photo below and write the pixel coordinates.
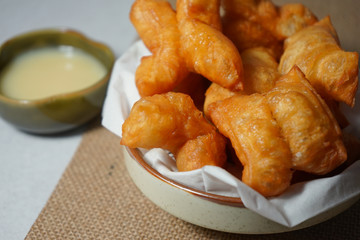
(96, 199)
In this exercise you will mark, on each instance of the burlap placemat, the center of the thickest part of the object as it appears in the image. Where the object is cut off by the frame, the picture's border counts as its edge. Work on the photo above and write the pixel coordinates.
(96, 199)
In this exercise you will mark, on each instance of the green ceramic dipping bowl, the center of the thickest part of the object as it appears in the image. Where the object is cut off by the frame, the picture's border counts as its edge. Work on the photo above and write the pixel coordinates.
(61, 112)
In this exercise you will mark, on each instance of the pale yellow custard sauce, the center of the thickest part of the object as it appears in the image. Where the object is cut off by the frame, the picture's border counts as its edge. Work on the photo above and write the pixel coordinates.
(49, 71)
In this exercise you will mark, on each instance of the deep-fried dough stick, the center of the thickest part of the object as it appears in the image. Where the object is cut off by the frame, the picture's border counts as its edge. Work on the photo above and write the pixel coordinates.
(209, 53)
(204, 150)
(254, 23)
(216, 93)
(307, 124)
(260, 69)
(205, 49)
(203, 10)
(292, 18)
(281, 21)
(288, 127)
(155, 22)
(246, 34)
(332, 71)
(257, 140)
(171, 121)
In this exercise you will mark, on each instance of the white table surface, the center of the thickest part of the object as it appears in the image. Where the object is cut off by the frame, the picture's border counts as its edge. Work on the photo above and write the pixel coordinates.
(30, 165)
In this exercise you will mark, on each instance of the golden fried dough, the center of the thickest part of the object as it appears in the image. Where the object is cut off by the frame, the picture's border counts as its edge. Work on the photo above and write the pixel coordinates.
(156, 24)
(159, 74)
(248, 34)
(307, 124)
(281, 21)
(292, 18)
(254, 10)
(254, 23)
(169, 121)
(261, 70)
(164, 120)
(207, 11)
(215, 93)
(150, 25)
(261, 73)
(332, 71)
(204, 150)
(276, 118)
(247, 121)
(206, 50)
(288, 127)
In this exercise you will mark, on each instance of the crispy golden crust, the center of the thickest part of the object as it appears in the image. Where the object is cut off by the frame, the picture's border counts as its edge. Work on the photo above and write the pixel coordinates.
(204, 150)
(289, 127)
(276, 124)
(150, 18)
(307, 124)
(208, 52)
(248, 34)
(332, 71)
(254, 23)
(155, 22)
(292, 18)
(260, 68)
(254, 10)
(281, 21)
(169, 121)
(203, 10)
(215, 93)
(260, 75)
(247, 121)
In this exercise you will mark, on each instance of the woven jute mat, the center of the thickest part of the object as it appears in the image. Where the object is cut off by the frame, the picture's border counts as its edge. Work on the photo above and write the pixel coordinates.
(96, 199)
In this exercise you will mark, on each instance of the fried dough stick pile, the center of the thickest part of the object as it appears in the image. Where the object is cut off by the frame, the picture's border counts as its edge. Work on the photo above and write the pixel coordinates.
(289, 127)
(189, 40)
(172, 122)
(316, 50)
(254, 23)
(273, 114)
(306, 123)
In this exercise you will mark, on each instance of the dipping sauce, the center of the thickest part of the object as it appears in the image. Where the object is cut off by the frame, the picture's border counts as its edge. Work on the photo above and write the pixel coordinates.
(48, 71)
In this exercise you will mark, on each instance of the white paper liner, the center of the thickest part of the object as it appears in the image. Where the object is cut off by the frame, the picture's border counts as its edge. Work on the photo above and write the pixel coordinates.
(300, 202)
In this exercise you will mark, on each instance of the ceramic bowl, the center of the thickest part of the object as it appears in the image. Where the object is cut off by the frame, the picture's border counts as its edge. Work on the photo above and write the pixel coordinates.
(59, 112)
(216, 212)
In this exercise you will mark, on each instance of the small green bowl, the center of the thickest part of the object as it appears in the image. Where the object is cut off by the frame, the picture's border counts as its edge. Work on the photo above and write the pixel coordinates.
(61, 112)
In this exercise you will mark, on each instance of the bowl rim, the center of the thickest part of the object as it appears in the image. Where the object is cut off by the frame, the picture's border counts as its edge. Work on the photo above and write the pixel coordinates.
(67, 95)
(226, 200)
